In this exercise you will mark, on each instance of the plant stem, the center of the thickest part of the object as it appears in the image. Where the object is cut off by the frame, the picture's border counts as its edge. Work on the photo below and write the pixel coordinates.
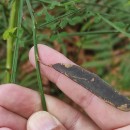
(10, 40)
(91, 33)
(16, 47)
(60, 17)
(41, 90)
(113, 25)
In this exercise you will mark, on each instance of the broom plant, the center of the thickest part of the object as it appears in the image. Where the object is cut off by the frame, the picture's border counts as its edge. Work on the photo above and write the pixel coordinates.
(100, 27)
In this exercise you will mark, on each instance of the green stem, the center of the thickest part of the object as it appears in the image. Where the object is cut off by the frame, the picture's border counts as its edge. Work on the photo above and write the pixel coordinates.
(10, 40)
(41, 90)
(113, 25)
(91, 33)
(16, 47)
(59, 17)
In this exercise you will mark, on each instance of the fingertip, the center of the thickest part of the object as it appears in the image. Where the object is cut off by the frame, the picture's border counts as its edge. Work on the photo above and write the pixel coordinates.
(4, 128)
(31, 53)
(48, 55)
(43, 121)
(42, 50)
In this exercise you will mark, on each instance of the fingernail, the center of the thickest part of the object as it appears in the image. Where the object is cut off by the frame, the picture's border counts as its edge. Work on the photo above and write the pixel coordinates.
(42, 121)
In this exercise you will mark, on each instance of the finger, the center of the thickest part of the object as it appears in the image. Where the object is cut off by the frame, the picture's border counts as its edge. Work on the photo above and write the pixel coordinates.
(68, 116)
(16, 99)
(4, 128)
(97, 109)
(44, 121)
(124, 128)
(9, 119)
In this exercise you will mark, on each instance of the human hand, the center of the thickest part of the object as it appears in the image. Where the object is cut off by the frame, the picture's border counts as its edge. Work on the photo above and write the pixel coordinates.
(19, 106)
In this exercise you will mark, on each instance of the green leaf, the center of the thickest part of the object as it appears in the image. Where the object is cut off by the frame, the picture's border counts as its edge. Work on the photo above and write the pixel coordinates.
(53, 37)
(63, 34)
(120, 24)
(58, 36)
(63, 23)
(75, 20)
(54, 4)
(40, 13)
(9, 32)
(54, 25)
(90, 14)
(49, 17)
(97, 19)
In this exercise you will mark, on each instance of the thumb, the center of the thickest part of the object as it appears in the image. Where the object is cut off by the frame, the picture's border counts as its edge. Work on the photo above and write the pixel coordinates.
(44, 121)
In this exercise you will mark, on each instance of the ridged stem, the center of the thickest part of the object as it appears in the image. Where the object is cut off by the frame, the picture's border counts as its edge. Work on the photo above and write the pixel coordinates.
(10, 41)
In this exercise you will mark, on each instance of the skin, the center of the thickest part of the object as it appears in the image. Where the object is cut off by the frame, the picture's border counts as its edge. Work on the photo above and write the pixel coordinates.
(23, 105)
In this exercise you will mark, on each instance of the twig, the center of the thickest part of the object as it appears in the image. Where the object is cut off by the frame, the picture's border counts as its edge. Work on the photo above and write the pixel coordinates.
(10, 40)
(16, 49)
(41, 90)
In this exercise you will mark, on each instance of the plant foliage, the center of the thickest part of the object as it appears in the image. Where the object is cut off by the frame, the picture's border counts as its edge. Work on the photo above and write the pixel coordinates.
(94, 34)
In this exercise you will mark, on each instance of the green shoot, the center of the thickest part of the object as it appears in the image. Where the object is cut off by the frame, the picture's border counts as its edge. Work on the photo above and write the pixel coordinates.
(41, 90)
(16, 49)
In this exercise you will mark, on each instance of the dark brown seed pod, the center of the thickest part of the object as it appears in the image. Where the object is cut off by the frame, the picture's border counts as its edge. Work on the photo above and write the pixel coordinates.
(94, 84)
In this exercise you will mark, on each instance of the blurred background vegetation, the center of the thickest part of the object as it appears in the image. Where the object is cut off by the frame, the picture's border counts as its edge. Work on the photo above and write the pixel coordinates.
(94, 34)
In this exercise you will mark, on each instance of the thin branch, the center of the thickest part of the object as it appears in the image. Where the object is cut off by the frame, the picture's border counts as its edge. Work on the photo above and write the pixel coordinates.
(41, 90)
(60, 17)
(90, 33)
(10, 40)
(16, 49)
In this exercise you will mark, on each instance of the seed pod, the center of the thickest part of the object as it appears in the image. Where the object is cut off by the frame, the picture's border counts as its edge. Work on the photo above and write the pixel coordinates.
(94, 84)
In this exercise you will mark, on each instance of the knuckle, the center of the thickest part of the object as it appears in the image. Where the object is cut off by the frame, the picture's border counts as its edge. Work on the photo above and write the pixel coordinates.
(86, 100)
(75, 120)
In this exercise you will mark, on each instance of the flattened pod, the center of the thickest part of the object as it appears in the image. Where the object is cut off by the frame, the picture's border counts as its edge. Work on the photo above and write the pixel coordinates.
(94, 84)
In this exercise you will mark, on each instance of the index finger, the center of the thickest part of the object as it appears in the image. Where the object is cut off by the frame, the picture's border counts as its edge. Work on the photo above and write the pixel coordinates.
(97, 109)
